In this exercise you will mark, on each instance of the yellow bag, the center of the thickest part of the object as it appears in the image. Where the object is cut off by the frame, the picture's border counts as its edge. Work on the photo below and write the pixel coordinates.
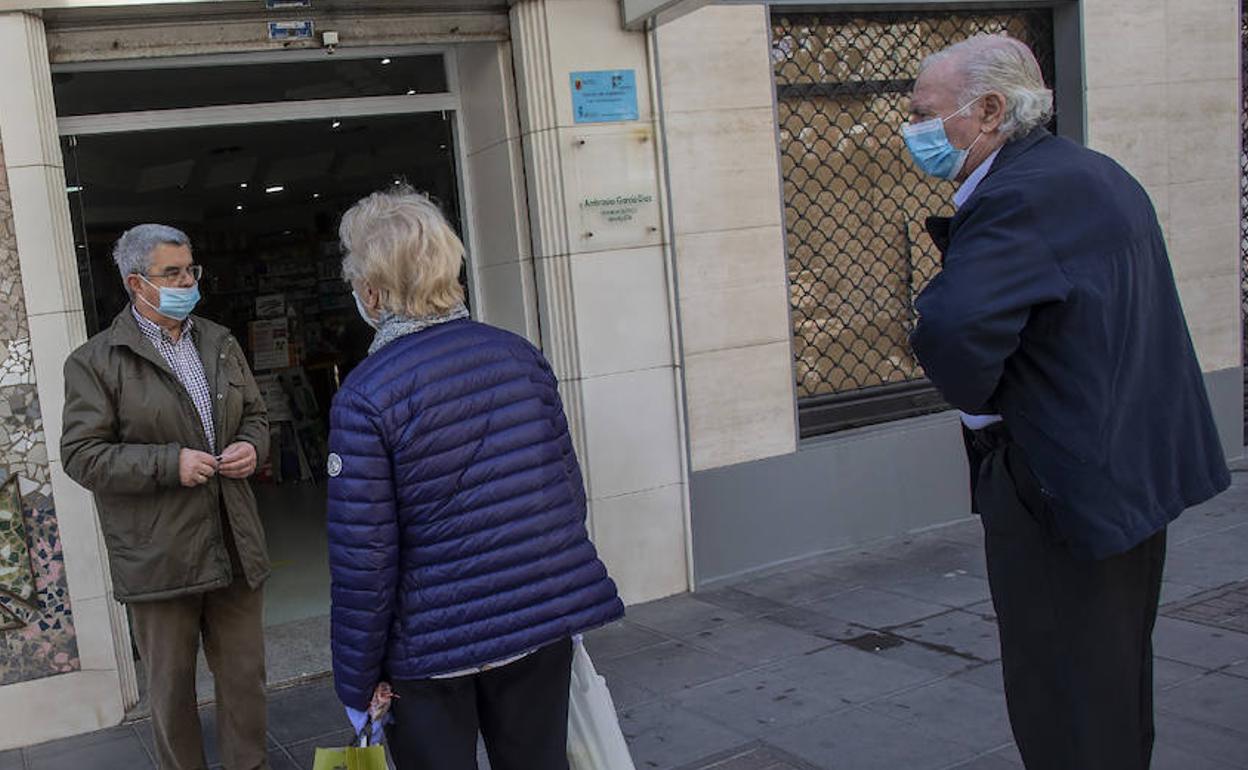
(351, 758)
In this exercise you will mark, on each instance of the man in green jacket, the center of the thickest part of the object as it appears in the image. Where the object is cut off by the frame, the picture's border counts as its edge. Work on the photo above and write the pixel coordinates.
(164, 424)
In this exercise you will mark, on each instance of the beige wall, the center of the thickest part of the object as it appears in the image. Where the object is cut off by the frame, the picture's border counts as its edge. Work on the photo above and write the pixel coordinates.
(603, 298)
(1163, 97)
(728, 231)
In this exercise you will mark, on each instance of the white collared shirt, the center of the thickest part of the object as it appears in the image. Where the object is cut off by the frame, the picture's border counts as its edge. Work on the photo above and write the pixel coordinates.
(975, 421)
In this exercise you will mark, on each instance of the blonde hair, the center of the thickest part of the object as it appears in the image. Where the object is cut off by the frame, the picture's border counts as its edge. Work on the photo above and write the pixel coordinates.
(399, 242)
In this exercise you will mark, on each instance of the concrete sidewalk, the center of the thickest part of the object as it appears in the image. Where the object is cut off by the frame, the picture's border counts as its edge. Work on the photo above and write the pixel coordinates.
(880, 657)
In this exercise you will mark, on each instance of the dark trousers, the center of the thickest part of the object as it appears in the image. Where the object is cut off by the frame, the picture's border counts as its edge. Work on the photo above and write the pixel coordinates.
(1076, 635)
(521, 711)
(167, 632)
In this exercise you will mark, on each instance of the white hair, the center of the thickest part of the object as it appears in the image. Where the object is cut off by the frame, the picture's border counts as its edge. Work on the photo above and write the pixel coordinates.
(1001, 64)
(133, 250)
(400, 243)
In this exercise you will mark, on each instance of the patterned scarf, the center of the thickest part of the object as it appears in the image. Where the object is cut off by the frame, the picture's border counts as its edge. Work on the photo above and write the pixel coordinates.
(393, 326)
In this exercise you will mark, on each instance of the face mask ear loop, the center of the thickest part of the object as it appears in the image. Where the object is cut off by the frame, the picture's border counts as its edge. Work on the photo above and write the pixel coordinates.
(143, 278)
(958, 111)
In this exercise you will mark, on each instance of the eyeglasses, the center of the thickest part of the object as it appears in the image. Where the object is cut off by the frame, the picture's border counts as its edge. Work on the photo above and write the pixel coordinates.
(174, 273)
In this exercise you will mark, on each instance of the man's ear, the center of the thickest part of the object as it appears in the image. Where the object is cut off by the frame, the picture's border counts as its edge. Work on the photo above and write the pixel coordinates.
(993, 111)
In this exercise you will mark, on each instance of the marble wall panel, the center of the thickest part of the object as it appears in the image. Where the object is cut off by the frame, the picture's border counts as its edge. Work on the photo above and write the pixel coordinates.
(39, 639)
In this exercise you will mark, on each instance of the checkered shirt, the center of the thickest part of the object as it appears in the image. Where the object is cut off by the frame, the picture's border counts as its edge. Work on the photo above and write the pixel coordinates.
(183, 358)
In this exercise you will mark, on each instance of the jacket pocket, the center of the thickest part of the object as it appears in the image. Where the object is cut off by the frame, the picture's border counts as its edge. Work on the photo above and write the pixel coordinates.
(1031, 496)
(232, 395)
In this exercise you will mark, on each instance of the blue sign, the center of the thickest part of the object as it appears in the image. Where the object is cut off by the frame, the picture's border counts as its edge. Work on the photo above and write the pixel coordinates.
(290, 30)
(605, 96)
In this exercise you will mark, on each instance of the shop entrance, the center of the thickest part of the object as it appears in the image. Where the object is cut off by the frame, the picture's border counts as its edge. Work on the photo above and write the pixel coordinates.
(256, 161)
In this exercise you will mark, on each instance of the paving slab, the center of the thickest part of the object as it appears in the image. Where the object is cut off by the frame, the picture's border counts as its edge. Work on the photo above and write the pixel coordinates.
(986, 675)
(991, 761)
(876, 609)
(751, 757)
(954, 589)
(306, 712)
(1198, 645)
(1225, 607)
(663, 735)
(795, 586)
(959, 712)
(756, 642)
(758, 702)
(1215, 699)
(620, 638)
(745, 603)
(1210, 561)
(967, 634)
(1202, 739)
(681, 615)
(118, 748)
(1170, 673)
(823, 626)
(864, 740)
(1167, 757)
(671, 667)
(850, 676)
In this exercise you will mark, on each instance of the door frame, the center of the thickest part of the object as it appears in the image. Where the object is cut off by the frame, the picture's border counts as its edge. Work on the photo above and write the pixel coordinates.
(447, 102)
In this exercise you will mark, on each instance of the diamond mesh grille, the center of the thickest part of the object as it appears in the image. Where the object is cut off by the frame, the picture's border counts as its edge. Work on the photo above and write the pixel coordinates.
(855, 204)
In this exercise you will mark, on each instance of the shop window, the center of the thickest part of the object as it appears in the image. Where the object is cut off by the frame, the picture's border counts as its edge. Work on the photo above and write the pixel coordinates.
(261, 204)
(858, 254)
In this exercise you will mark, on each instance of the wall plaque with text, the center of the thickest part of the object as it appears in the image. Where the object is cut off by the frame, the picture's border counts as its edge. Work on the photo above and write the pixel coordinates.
(616, 189)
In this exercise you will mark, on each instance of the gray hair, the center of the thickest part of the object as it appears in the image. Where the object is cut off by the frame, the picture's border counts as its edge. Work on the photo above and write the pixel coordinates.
(1007, 66)
(133, 250)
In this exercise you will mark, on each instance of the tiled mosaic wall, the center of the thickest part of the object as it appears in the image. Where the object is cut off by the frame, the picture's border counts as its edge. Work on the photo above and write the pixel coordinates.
(37, 631)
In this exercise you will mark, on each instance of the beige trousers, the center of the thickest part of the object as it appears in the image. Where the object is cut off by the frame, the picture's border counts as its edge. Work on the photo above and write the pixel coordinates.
(167, 632)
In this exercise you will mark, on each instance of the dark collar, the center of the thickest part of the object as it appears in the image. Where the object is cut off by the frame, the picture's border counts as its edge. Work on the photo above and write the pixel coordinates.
(1016, 147)
(941, 228)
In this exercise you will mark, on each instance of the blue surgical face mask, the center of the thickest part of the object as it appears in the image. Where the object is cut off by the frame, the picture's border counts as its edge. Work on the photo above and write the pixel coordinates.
(175, 303)
(368, 319)
(931, 149)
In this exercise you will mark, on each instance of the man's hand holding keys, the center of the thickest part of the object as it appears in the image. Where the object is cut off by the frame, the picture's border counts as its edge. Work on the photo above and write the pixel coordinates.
(238, 461)
(195, 468)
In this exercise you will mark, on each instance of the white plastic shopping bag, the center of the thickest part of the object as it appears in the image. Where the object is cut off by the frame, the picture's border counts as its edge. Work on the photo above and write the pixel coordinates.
(595, 741)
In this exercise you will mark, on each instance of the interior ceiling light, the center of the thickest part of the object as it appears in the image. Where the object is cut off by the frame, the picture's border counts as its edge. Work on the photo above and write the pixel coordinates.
(274, 189)
(239, 207)
(335, 124)
(385, 61)
(411, 92)
(243, 186)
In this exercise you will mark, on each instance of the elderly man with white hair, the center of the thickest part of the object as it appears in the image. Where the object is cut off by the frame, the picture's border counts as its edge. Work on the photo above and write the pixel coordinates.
(1055, 325)
(164, 423)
